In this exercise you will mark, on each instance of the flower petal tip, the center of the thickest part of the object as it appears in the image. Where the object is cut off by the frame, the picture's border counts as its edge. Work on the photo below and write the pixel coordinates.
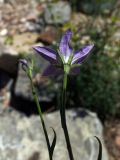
(36, 48)
(47, 53)
(91, 46)
(68, 31)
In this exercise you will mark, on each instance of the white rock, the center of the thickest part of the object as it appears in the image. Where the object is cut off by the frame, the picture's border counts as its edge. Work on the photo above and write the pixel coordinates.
(59, 13)
(3, 32)
(22, 138)
(1, 1)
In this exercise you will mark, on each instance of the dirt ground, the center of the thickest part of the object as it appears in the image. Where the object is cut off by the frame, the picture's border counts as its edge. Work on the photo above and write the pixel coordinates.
(112, 138)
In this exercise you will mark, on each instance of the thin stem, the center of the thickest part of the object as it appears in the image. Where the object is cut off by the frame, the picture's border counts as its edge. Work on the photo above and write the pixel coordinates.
(63, 118)
(41, 118)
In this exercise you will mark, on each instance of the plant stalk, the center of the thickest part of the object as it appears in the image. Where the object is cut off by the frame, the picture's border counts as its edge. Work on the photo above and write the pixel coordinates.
(41, 117)
(63, 117)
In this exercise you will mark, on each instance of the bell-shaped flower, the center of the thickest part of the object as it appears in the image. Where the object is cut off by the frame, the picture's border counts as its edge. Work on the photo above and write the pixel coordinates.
(65, 60)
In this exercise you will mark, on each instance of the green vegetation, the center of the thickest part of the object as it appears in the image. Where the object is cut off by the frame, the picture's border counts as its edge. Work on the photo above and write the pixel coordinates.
(98, 85)
(8, 40)
(93, 6)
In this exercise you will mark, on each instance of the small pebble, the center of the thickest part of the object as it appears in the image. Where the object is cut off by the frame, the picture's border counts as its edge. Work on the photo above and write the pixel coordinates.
(3, 32)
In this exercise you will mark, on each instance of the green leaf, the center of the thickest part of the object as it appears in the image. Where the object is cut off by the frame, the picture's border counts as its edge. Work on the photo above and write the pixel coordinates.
(100, 149)
(52, 147)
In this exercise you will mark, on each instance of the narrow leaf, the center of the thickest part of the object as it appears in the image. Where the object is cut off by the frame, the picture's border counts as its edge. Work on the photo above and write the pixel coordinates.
(52, 147)
(100, 149)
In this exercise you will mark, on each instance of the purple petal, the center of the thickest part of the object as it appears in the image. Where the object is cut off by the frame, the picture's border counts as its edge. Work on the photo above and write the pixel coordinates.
(65, 47)
(81, 54)
(52, 71)
(75, 71)
(47, 53)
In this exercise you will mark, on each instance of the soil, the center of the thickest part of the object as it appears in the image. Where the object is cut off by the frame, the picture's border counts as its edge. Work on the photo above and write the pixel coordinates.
(112, 138)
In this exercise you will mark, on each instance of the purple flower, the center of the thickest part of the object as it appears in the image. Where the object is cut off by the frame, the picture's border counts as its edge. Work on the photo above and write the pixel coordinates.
(65, 59)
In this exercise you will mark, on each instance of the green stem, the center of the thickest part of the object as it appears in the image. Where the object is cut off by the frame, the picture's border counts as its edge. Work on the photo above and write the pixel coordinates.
(41, 118)
(63, 118)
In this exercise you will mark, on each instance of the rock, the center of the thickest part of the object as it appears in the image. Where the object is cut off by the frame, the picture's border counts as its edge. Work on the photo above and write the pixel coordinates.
(8, 69)
(8, 64)
(57, 13)
(20, 89)
(23, 138)
(1, 1)
(22, 94)
(8, 75)
(2, 48)
(3, 32)
(35, 25)
(23, 86)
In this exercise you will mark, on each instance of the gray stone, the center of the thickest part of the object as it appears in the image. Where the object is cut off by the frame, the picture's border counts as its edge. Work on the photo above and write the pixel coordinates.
(59, 13)
(22, 138)
(32, 26)
(1, 1)
(23, 86)
(8, 64)
(3, 32)
(2, 48)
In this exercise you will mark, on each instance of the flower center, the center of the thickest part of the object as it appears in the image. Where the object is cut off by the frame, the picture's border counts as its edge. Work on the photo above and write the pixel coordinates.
(67, 68)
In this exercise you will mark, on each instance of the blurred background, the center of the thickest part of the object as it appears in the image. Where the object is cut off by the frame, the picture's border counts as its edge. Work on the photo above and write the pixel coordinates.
(24, 23)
